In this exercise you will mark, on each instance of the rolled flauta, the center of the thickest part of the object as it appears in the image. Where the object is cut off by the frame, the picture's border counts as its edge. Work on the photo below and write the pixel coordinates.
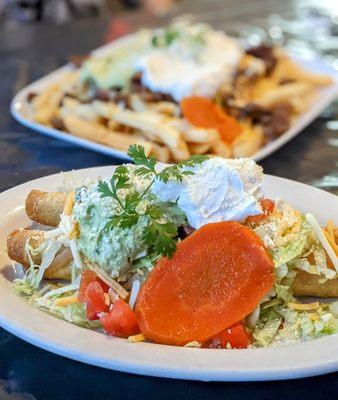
(44, 207)
(16, 243)
(306, 284)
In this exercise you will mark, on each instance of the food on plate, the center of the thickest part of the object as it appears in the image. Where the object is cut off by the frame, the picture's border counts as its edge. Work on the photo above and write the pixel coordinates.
(190, 254)
(182, 90)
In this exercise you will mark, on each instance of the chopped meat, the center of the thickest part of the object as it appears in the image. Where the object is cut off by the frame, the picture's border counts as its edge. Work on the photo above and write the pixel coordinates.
(57, 123)
(31, 96)
(285, 81)
(258, 114)
(280, 121)
(265, 53)
(146, 94)
(102, 95)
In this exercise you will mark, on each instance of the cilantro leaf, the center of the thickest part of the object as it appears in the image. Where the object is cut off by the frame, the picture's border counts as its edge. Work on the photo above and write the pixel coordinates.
(160, 237)
(104, 189)
(137, 154)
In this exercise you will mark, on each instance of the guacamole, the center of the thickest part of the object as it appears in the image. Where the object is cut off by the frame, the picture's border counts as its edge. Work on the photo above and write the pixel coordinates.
(116, 67)
(115, 249)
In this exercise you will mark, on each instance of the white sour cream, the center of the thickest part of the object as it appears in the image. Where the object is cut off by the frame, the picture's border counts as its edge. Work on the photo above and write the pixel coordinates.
(219, 190)
(186, 67)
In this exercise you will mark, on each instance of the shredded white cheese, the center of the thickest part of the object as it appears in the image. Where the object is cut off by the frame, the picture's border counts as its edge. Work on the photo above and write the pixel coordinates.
(134, 292)
(321, 237)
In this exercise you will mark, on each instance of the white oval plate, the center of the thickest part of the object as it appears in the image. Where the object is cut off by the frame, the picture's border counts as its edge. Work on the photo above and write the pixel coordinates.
(21, 111)
(43, 330)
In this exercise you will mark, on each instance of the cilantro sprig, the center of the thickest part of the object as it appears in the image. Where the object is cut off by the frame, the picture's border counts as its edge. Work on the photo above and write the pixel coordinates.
(159, 236)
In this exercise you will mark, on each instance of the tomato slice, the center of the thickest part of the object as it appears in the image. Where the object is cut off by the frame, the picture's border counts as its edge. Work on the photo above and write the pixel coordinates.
(120, 320)
(268, 207)
(94, 299)
(87, 277)
(236, 336)
(216, 277)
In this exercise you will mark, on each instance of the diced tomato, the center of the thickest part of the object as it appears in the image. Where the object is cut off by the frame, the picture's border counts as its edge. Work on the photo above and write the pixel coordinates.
(87, 277)
(94, 299)
(90, 312)
(236, 336)
(268, 207)
(105, 287)
(120, 320)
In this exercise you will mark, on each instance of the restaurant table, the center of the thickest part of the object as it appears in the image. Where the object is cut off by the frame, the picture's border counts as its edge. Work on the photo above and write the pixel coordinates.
(29, 51)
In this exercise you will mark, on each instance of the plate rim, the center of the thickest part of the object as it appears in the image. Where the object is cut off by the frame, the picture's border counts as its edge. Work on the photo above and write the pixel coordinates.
(199, 371)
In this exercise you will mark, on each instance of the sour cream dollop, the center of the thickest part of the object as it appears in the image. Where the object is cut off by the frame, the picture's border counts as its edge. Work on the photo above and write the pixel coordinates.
(219, 190)
(189, 67)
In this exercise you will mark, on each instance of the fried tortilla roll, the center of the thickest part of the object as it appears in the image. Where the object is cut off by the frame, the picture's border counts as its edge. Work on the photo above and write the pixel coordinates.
(306, 284)
(16, 242)
(44, 207)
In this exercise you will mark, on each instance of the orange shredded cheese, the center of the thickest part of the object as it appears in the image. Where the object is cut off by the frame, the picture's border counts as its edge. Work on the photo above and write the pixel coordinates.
(304, 306)
(65, 301)
(69, 204)
(136, 338)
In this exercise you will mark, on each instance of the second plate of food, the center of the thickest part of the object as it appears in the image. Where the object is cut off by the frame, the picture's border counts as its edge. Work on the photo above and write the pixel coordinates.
(183, 90)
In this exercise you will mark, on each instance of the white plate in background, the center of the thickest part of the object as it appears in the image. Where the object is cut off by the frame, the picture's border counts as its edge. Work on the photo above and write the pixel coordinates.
(21, 112)
(313, 357)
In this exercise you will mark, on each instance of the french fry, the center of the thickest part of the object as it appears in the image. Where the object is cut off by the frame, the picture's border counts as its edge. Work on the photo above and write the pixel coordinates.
(284, 93)
(248, 143)
(286, 68)
(162, 153)
(74, 107)
(199, 148)
(46, 104)
(158, 125)
(200, 135)
(221, 149)
(104, 109)
(98, 133)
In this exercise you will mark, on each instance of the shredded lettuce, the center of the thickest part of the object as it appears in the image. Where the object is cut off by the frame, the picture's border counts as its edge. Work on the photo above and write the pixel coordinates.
(266, 329)
(279, 325)
(293, 248)
(74, 313)
(283, 292)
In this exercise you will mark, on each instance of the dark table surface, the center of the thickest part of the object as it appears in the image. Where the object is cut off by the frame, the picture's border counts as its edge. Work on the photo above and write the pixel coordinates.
(29, 51)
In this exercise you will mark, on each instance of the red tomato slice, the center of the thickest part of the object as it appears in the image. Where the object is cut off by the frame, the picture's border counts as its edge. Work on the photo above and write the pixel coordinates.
(120, 321)
(268, 207)
(94, 299)
(236, 336)
(87, 277)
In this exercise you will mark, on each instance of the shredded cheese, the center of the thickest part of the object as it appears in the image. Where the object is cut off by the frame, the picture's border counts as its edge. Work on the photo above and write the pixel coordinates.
(323, 240)
(69, 204)
(133, 293)
(304, 306)
(136, 338)
(65, 301)
(331, 240)
(106, 299)
(119, 289)
(194, 343)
